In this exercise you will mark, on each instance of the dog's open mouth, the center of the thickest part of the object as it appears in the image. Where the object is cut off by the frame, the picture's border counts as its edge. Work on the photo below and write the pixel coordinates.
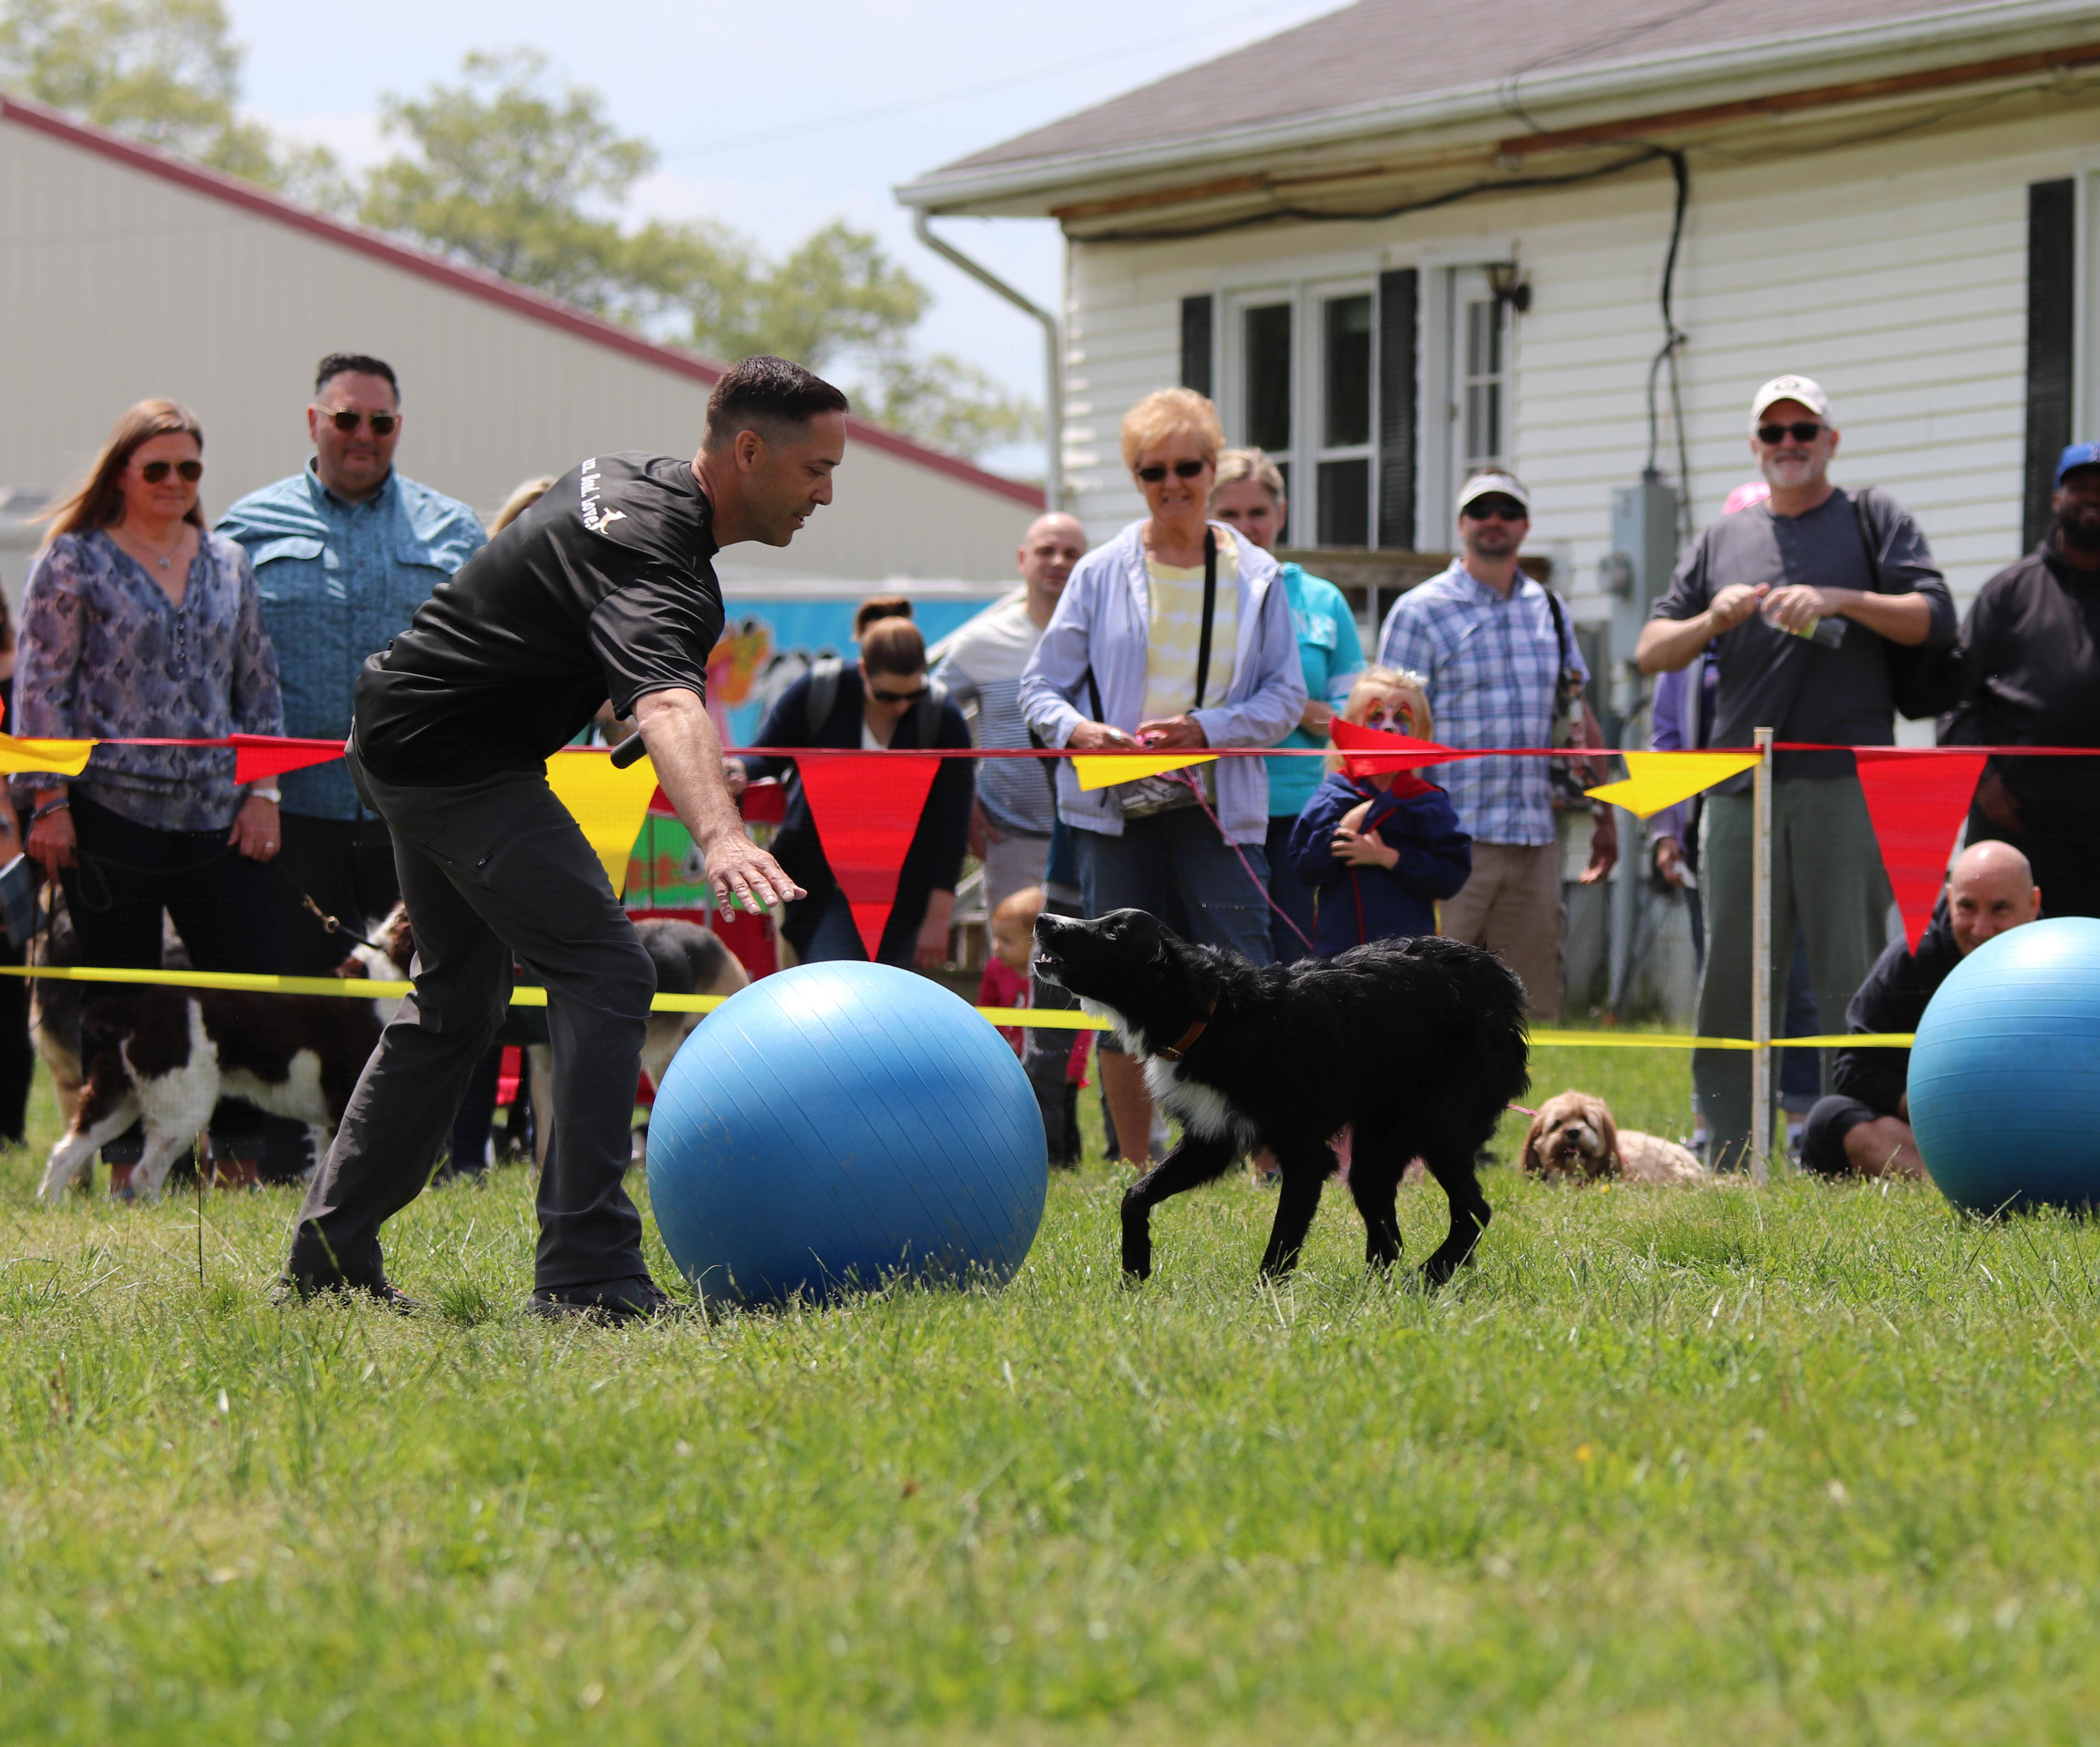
(1049, 967)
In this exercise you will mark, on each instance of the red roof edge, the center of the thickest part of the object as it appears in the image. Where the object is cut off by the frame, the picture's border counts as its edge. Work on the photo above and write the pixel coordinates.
(489, 287)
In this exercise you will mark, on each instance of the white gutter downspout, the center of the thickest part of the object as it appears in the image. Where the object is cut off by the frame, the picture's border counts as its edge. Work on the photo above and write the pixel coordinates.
(1053, 373)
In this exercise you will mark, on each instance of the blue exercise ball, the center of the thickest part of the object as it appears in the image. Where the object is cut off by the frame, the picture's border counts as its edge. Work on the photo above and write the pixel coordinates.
(838, 1124)
(2004, 1078)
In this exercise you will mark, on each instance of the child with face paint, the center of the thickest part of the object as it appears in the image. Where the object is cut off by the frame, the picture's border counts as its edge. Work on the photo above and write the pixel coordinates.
(1380, 849)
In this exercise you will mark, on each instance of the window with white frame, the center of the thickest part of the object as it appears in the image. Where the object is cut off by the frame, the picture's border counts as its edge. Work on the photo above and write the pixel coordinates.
(1301, 384)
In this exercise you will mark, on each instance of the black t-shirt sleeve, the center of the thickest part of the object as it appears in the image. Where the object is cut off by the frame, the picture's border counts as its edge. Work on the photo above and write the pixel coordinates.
(654, 635)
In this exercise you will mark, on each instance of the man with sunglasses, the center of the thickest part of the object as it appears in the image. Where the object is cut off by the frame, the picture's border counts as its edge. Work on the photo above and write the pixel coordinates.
(1500, 656)
(345, 551)
(1801, 598)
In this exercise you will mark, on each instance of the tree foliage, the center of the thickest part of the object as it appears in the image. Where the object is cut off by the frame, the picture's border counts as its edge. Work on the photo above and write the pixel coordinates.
(165, 72)
(494, 170)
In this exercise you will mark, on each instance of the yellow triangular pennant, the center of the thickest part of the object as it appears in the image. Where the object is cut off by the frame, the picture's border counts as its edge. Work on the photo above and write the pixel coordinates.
(68, 758)
(1109, 769)
(608, 804)
(1656, 780)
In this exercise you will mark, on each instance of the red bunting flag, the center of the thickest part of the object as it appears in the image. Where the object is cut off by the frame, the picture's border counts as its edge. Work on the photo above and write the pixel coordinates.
(1389, 751)
(257, 757)
(866, 811)
(1917, 802)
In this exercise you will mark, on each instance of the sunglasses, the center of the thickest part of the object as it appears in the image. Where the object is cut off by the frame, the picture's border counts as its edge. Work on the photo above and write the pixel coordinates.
(1157, 470)
(346, 421)
(1801, 431)
(154, 472)
(899, 697)
(1496, 509)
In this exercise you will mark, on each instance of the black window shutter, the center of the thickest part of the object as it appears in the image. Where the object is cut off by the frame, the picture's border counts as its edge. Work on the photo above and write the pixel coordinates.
(2052, 242)
(1399, 411)
(1196, 343)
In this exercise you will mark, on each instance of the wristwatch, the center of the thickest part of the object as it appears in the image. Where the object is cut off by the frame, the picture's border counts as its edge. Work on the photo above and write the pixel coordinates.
(273, 794)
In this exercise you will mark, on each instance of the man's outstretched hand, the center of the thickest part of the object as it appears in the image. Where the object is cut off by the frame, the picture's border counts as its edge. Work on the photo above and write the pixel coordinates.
(687, 754)
(745, 876)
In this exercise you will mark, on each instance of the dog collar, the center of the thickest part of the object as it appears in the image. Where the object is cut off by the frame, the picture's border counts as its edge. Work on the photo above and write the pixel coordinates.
(1187, 1040)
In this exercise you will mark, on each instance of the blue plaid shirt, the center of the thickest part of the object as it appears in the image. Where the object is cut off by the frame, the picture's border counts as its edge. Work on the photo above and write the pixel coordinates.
(1492, 672)
(338, 581)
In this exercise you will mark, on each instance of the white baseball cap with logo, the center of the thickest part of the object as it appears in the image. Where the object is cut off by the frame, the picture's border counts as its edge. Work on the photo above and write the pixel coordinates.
(1493, 485)
(1810, 394)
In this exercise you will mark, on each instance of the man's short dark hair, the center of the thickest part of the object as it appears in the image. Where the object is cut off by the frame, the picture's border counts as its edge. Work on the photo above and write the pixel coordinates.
(770, 396)
(355, 364)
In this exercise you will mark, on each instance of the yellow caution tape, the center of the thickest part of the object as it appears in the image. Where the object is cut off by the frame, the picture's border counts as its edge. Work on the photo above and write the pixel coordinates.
(1044, 1019)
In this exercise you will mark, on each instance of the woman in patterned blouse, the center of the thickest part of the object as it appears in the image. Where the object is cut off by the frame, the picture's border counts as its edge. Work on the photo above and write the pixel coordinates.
(137, 622)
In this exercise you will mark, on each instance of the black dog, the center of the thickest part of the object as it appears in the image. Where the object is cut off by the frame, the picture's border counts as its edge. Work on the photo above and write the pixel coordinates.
(1417, 1045)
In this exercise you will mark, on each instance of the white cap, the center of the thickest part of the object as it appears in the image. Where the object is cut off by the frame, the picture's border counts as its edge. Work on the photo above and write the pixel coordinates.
(1493, 485)
(1799, 388)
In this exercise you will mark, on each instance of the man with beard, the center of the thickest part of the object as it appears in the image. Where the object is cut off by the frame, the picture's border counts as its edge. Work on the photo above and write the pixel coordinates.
(2030, 662)
(1800, 615)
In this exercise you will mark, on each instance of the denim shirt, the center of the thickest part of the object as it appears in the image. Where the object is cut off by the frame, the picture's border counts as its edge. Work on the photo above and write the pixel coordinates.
(1100, 623)
(105, 654)
(338, 581)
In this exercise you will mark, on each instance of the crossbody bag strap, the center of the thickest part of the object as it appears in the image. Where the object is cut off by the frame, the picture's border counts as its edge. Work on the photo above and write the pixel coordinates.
(1210, 607)
(1863, 517)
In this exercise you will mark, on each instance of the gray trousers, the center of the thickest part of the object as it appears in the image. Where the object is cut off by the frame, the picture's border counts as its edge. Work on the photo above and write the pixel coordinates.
(1827, 876)
(491, 870)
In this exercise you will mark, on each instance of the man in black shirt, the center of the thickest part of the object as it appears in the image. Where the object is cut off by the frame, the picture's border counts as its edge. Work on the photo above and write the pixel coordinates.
(2031, 664)
(604, 588)
(1863, 1126)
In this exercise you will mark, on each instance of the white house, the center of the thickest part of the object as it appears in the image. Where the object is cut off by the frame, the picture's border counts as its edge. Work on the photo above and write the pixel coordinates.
(1416, 236)
(125, 274)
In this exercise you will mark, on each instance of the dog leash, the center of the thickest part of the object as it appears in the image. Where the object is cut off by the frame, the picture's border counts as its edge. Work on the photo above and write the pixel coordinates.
(332, 924)
(1196, 788)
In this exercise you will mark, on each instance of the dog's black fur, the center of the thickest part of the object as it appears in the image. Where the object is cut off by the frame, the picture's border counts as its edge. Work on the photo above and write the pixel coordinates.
(1416, 1045)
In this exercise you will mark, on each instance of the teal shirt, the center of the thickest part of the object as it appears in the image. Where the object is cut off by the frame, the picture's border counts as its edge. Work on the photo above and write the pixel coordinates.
(1332, 655)
(336, 582)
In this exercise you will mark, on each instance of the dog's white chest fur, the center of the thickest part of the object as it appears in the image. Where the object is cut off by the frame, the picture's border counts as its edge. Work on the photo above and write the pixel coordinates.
(1204, 1109)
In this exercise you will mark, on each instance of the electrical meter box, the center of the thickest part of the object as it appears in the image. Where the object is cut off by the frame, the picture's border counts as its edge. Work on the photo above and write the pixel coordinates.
(1637, 569)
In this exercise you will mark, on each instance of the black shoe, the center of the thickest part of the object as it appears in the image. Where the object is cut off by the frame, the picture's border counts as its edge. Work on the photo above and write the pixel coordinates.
(639, 1299)
(386, 1295)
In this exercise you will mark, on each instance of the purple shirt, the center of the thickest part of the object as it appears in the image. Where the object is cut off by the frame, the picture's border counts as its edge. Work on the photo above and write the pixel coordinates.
(105, 654)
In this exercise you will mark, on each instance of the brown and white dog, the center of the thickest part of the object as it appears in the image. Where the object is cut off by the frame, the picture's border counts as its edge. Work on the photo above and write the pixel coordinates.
(1573, 1138)
(164, 1057)
(690, 959)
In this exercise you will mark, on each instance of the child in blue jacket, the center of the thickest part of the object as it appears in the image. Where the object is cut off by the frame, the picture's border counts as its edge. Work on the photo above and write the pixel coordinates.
(1380, 849)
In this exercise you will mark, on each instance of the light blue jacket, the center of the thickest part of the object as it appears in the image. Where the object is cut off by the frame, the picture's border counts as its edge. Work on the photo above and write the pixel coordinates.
(1101, 621)
(338, 581)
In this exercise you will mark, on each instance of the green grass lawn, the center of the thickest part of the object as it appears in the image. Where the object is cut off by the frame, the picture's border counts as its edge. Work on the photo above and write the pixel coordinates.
(1814, 1464)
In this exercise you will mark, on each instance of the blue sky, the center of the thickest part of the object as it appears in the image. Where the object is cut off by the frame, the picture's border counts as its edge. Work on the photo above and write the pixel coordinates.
(726, 92)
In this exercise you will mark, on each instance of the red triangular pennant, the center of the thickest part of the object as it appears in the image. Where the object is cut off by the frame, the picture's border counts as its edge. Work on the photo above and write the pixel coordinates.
(1390, 752)
(257, 757)
(866, 811)
(1917, 802)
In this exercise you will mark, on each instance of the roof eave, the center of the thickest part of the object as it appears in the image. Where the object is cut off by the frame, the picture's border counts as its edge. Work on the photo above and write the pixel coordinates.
(1036, 187)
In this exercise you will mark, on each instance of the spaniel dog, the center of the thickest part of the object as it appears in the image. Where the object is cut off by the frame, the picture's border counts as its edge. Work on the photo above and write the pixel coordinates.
(1573, 1139)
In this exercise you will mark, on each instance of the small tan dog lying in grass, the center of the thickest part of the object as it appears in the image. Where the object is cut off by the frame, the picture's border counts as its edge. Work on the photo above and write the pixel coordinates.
(1574, 1137)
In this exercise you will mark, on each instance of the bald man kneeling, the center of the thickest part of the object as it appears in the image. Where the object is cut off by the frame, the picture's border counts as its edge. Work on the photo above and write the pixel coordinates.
(1863, 1127)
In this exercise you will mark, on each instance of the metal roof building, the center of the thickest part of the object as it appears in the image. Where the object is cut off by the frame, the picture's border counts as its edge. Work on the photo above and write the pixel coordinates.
(125, 274)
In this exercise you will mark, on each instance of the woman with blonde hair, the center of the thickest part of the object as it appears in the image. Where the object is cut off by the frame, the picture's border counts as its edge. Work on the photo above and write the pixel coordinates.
(1172, 637)
(1250, 496)
(1379, 850)
(138, 623)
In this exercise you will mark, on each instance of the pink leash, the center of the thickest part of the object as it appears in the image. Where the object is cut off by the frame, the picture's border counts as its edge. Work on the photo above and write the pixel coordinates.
(1196, 788)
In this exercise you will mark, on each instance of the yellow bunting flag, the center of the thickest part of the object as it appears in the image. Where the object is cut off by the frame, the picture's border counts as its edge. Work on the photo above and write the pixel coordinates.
(68, 758)
(1661, 779)
(1109, 769)
(608, 804)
